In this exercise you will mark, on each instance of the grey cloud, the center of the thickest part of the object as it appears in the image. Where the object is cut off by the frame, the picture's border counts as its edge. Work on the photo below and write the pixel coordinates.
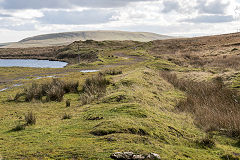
(170, 6)
(214, 7)
(9, 23)
(92, 16)
(23, 27)
(211, 19)
(37, 4)
(5, 15)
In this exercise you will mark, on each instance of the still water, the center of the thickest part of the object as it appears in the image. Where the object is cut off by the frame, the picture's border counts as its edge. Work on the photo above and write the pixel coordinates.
(31, 63)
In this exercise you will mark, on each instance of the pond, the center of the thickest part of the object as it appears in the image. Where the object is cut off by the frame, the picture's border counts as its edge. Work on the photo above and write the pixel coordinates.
(31, 63)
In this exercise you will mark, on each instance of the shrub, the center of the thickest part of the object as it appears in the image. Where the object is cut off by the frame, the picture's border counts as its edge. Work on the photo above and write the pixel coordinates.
(214, 106)
(30, 119)
(206, 142)
(93, 88)
(66, 116)
(112, 72)
(54, 91)
(68, 103)
(71, 87)
(19, 127)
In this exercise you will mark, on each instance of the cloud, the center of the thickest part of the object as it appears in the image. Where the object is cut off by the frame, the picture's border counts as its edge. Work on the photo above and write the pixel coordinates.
(210, 19)
(38, 4)
(211, 7)
(5, 15)
(91, 16)
(170, 5)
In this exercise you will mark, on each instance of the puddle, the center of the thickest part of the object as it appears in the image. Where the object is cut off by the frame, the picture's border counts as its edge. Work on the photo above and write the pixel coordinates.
(4, 89)
(15, 85)
(89, 71)
(46, 77)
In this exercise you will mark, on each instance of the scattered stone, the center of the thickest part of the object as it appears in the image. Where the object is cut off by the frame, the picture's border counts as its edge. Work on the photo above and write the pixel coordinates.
(138, 157)
(153, 156)
(122, 155)
(132, 156)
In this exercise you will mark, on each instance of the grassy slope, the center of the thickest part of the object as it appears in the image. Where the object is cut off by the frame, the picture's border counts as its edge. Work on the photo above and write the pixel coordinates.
(143, 120)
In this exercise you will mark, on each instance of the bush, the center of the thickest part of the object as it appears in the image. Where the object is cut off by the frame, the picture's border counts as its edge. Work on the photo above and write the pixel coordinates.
(68, 103)
(214, 106)
(54, 91)
(93, 88)
(30, 119)
(206, 142)
(112, 72)
(19, 127)
(66, 116)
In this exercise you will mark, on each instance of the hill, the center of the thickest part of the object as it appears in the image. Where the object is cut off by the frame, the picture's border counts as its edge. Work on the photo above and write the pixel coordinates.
(66, 38)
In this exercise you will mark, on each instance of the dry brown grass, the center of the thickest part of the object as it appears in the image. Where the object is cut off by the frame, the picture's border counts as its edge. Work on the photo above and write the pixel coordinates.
(112, 72)
(214, 106)
(227, 61)
(30, 118)
(52, 91)
(93, 88)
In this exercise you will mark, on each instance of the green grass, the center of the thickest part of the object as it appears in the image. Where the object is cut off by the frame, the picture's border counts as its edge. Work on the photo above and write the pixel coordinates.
(138, 115)
(137, 112)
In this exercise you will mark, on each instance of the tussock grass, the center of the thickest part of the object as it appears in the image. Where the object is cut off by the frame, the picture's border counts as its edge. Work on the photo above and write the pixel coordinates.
(30, 118)
(112, 72)
(19, 127)
(206, 142)
(214, 106)
(66, 116)
(93, 88)
(53, 91)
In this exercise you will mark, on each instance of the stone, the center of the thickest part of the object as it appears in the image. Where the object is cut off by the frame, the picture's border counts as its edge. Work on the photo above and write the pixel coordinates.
(122, 155)
(132, 156)
(138, 157)
(153, 156)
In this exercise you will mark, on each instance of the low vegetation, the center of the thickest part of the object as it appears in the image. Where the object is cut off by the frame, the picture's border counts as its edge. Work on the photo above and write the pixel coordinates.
(176, 98)
(30, 118)
(214, 106)
(51, 91)
(93, 88)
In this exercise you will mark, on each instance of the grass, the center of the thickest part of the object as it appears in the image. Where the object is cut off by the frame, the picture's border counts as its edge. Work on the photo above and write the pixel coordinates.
(214, 106)
(93, 88)
(135, 114)
(52, 91)
(130, 107)
(30, 118)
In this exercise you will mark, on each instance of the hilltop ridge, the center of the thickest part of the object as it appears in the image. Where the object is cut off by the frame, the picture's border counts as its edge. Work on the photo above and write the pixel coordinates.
(65, 38)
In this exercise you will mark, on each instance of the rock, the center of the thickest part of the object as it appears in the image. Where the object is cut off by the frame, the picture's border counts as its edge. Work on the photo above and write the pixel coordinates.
(138, 157)
(122, 155)
(132, 156)
(128, 155)
(153, 156)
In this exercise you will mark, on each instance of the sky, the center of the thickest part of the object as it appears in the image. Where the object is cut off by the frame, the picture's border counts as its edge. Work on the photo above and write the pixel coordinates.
(185, 18)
